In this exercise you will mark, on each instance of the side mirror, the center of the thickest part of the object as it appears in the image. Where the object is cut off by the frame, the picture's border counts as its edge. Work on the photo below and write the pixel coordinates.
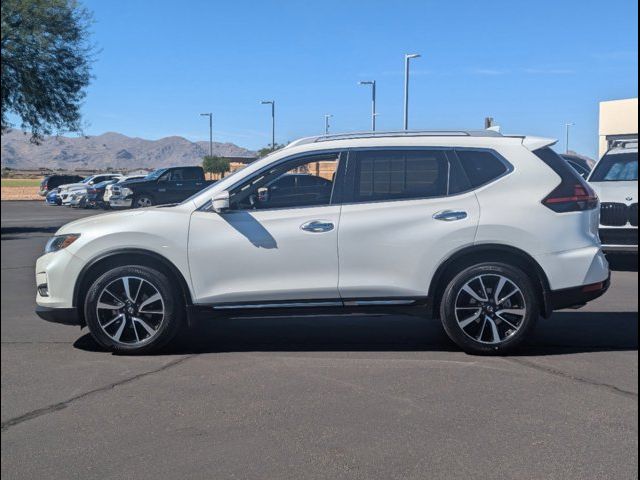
(263, 195)
(220, 202)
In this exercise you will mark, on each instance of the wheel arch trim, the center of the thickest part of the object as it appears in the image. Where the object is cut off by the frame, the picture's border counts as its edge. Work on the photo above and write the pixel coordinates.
(82, 276)
(436, 282)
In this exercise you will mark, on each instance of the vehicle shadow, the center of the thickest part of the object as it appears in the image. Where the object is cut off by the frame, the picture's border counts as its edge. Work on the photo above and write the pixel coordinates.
(565, 332)
(251, 229)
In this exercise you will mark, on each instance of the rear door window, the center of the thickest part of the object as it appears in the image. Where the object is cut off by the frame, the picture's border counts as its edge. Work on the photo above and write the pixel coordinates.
(192, 174)
(387, 175)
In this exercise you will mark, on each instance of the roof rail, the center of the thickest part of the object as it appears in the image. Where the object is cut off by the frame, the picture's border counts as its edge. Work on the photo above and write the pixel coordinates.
(398, 133)
(625, 143)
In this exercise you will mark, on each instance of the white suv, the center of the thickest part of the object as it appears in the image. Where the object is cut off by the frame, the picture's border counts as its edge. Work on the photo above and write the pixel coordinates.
(487, 232)
(615, 180)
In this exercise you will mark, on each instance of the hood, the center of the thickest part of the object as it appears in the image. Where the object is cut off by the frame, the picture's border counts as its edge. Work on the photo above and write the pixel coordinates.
(616, 192)
(72, 186)
(100, 221)
(133, 181)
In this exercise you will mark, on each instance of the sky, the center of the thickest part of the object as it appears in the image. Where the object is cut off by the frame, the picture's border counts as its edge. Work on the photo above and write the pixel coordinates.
(533, 66)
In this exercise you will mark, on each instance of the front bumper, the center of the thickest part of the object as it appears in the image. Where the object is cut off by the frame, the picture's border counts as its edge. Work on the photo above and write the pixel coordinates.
(66, 316)
(619, 240)
(119, 202)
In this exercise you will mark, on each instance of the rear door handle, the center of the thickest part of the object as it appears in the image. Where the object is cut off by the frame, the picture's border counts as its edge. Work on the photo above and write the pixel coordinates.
(318, 226)
(450, 215)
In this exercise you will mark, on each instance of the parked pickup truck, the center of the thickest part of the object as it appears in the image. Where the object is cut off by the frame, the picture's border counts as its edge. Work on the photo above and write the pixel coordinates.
(160, 187)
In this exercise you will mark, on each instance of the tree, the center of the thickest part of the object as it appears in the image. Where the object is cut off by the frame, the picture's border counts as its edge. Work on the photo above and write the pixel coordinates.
(216, 165)
(46, 58)
(263, 152)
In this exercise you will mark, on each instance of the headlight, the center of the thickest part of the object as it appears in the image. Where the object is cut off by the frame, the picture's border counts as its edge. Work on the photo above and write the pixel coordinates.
(124, 191)
(60, 241)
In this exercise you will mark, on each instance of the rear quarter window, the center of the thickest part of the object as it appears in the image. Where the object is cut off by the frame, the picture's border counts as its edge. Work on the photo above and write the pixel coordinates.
(481, 166)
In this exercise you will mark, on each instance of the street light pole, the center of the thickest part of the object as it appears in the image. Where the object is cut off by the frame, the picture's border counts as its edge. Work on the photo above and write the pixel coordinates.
(567, 127)
(273, 121)
(326, 124)
(407, 58)
(210, 115)
(373, 102)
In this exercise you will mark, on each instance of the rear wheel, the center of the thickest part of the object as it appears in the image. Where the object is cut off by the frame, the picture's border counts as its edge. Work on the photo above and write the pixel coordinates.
(143, 201)
(489, 308)
(133, 309)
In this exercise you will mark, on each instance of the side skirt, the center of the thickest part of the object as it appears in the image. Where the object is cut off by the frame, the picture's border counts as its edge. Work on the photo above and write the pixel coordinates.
(331, 307)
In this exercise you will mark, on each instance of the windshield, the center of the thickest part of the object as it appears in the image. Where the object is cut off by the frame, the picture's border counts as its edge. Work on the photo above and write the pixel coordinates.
(619, 167)
(88, 179)
(155, 174)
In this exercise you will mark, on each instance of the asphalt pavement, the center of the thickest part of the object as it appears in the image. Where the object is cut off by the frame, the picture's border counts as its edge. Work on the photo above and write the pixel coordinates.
(354, 397)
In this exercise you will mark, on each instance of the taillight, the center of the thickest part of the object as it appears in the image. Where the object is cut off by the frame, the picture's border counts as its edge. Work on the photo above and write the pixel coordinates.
(573, 194)
(92, 191)
(572, 197)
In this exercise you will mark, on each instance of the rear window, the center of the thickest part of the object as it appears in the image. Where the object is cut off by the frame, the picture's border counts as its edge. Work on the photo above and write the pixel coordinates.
(481, 166)
(619, 167)
(400, 175)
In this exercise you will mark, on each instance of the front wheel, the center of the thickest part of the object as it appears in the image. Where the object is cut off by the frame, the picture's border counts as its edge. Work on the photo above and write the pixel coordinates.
(489, 308)
(133, 309)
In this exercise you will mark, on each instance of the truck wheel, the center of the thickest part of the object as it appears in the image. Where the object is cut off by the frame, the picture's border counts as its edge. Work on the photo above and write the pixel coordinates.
(143, 201)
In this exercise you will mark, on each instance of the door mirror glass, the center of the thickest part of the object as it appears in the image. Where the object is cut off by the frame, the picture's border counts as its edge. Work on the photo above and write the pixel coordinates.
(220, 203)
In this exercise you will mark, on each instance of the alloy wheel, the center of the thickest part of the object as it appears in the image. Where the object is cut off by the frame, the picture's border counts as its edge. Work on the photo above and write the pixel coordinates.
(490, 308)
(130, 310)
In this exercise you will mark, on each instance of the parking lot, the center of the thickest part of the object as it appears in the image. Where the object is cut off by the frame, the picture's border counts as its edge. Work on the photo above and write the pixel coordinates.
(306, 397)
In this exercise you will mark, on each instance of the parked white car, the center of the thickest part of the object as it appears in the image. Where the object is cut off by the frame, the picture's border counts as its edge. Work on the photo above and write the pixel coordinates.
(113, 195)
(73, 198)
(615, 180)
(448, 224)
(65, 190)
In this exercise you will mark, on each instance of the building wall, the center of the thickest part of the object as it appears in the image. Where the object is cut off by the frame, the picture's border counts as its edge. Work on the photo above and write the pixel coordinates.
(617, 118)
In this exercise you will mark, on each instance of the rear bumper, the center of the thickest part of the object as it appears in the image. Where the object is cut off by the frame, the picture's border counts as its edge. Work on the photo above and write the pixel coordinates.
(65, 316)
(576, 297)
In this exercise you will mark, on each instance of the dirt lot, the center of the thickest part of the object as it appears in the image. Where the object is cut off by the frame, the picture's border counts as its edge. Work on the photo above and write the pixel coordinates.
(20, 189)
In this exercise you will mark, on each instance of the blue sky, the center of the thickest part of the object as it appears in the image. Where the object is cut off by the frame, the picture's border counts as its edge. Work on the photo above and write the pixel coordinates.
(532, 65)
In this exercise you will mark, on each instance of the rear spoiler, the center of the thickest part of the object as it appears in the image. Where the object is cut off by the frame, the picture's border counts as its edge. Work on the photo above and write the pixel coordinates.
(536, 143)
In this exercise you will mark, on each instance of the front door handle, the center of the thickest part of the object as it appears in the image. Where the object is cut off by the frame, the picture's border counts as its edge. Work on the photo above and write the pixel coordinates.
(318, 226)
(450, 215)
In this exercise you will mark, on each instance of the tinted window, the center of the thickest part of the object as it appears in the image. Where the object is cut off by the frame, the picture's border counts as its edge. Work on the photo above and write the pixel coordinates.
(481, 166)
(282, 187)
(177, 175)
(286, 181)
(192, 174)
(619, 167)
(400, 175)
(312, 181)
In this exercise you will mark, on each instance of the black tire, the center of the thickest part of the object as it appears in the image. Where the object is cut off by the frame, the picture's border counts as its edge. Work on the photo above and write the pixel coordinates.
(143, 201)
(471, 337)
(165, 329)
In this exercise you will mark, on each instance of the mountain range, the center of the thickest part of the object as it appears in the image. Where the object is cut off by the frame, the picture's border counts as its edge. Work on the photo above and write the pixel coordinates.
(109, 150)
